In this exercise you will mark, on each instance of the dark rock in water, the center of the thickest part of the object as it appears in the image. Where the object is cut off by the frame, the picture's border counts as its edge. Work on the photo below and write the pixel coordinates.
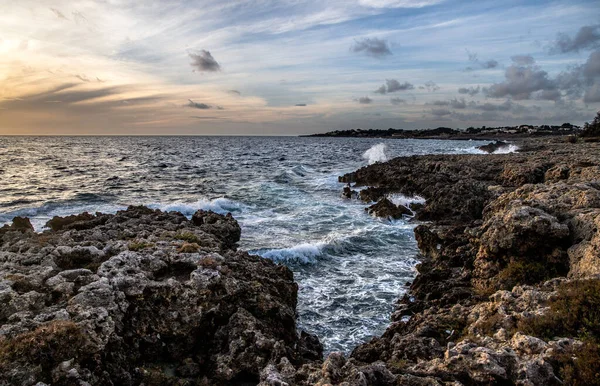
(371, 194)
(493, 146)
(117, 300)
(387, 209)
(349, 193)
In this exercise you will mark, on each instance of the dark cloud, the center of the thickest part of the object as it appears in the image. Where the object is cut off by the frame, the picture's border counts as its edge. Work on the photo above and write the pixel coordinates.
(202, 106)
(521, 82)
(458, 103)
(381, 90)
(523, 60)
(580, 80)
(549, 95)
(472, 91)
(300, 105)
(392, 85)
(372, 46)
(440, 103)
(83, 78)
(203, 61)
(592, 94)
(397, 101)
(588, 37)
(58, 14)
(591, 68)
(234, 92)
(440, 112)
(365, 100)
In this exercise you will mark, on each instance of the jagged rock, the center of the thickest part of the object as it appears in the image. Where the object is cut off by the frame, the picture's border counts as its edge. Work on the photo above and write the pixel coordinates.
(94, 307)
(386, 209)
(493, 146)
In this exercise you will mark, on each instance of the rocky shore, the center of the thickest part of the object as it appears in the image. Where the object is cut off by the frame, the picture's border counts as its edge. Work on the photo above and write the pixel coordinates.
(507, 292)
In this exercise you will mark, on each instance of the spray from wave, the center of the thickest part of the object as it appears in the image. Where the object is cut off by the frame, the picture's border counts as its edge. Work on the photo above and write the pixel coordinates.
(377, 153)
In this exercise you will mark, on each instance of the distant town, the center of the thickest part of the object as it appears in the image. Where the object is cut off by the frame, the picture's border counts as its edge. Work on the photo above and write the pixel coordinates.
(447, 132)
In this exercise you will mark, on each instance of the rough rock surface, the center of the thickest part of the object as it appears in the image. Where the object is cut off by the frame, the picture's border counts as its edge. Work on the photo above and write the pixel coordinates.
(142, 297)
(493, 146)
(507, 232)
(386, 209)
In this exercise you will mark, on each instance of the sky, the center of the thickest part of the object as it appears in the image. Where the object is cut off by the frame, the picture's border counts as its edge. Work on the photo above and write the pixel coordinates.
(288, 67)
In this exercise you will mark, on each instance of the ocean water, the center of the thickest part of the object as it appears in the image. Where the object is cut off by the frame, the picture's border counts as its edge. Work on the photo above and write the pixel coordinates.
(350, 267)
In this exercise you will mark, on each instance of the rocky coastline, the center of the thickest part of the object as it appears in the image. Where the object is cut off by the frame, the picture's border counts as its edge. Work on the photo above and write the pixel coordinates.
(507, 289)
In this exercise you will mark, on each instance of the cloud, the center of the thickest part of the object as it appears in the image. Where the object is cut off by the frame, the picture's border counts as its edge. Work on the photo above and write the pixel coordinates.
(588, 37)
(506, 106)
(203, 61)
(523, 60)
(430, 86)
(473, 58)
(458, 103)
(472, 91)
(392, 85)
(234, 92)
(374, 47)
(300, 105)
(398, 3)
(592, 94)
(580, 80)
(453, 103)
(397, 101)
(489, 64)
(440, 112)
(58, 14)
(365, 100)
(202, 106)
(521, 82)
(591, 68)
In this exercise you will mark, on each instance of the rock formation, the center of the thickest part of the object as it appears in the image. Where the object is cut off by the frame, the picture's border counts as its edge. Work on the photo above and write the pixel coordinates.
(142, 297)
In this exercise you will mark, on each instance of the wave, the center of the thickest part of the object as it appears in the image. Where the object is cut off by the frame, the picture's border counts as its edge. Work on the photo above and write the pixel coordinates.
(507, 149)
(306, 253)
(219, 205)
(511, 148)
(377, 153)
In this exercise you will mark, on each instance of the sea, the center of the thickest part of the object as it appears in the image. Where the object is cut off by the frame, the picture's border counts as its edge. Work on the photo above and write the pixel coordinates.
(284, 191)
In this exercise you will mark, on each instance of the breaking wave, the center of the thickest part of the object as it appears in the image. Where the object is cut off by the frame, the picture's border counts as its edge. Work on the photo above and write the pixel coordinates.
(377, 153)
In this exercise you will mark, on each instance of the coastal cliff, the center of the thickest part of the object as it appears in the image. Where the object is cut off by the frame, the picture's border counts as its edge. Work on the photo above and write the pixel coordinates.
(507, 290)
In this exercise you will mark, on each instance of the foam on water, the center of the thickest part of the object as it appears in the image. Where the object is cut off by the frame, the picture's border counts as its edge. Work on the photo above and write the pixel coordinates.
(507, 149)
(304, 253)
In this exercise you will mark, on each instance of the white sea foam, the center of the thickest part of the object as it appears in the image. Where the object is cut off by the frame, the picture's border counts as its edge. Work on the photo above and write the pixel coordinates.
(507, 149)
(377, 153)
(303, 253)
(219, 205)
(400, 199)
